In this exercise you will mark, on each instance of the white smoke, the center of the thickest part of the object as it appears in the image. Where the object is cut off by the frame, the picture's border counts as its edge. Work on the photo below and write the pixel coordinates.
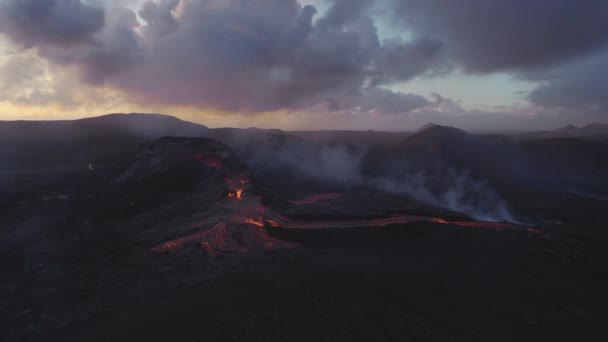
(461, 194)
(438, 185)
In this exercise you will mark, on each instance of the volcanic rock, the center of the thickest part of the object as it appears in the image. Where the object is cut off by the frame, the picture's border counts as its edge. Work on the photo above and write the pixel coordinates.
(205, 199)
(182, 164)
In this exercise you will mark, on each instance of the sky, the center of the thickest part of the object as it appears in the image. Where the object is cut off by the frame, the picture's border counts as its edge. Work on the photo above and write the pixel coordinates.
(309, 64)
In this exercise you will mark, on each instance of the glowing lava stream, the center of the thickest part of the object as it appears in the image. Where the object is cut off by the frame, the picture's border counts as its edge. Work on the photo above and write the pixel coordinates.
(236, 194)
(242, 232)
(383, 222)
(321, 199)
(211, 161)
(317, 198)
(245, 231)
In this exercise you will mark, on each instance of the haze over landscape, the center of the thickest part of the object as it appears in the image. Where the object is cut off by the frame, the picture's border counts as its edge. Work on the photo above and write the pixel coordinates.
(303, 170)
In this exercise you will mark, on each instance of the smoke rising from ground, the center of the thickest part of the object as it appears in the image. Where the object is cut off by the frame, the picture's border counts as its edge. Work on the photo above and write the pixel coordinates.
(341, 165)
(462, 193)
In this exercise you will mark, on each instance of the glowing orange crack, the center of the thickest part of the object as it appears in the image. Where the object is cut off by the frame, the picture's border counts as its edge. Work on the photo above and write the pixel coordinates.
(210, 161)
(236, 194)
(316, 198)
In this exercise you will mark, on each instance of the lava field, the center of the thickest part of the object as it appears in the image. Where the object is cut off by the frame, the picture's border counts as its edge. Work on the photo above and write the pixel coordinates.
(224, 238)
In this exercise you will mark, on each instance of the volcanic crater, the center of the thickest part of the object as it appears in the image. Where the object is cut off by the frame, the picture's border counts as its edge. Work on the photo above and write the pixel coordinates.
(237, 219)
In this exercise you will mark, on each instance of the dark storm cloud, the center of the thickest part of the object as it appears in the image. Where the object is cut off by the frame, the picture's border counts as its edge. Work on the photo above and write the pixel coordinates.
(581, 85)
(251, 56)
(159, 16)
(400, 60)
(384, 101)
(111, 52)
(344, 12)
(376, 100)
(257, 56)
(63, 22)
(500, 35)
(267, 55)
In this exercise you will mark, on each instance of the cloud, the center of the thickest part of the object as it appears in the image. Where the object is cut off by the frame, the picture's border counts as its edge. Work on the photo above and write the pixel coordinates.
(497, 35)
(60, 22)
(23, 79)
(401, 61)
(260, 56)
(344, 12)
(232, 55)
(32, 82)
(249, 56)
(112, 51)
(380, 101)
(159, 16)
(579, 86)
(559, 44)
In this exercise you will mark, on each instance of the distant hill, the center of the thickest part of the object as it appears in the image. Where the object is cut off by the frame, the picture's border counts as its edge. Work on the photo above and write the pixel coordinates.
(144, 125)
(76, 143)
(427, 126)
(497, 157)
(591, 129)
(568, 158)
(435, 134)
(594, 129)
(369, 137)
(598, 127)
(595, 132)
(570, 129)
(485, 155)
(601, 138)
(544, 163)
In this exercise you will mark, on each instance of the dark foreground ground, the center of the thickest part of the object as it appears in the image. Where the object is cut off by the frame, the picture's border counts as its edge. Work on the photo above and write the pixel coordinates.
(417, 282)
(423, 283)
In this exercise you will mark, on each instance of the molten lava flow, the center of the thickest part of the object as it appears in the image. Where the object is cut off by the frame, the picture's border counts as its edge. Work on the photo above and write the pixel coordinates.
(210, 161)
(236, 194)
(383, 222)
(345, 224)
(241, 233)
(245, 231)
(252, 217)
(256, 222)
(236, 184)
(273, 223)
(475, 224)
(316, 198)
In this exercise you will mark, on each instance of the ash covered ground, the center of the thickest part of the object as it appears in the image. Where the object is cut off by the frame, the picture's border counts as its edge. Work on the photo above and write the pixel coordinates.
(113, 231)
